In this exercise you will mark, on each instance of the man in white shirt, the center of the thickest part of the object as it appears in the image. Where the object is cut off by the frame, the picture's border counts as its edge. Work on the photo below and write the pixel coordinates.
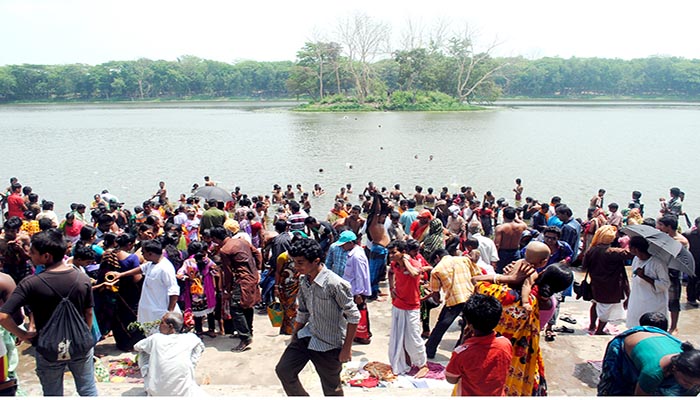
(160, 290)
(487, 248)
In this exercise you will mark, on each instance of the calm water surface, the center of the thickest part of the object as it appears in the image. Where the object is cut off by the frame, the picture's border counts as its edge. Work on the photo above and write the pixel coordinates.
(68, 153)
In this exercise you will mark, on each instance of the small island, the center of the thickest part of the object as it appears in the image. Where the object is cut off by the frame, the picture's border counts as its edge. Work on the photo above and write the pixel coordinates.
(396, 101)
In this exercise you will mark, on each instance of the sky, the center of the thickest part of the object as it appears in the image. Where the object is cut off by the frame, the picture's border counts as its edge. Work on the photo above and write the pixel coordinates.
(96, 31)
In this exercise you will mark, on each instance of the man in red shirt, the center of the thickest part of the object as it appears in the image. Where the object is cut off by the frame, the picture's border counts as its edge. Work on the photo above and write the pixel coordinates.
(15, 202)
(480, 365)
(405, 344)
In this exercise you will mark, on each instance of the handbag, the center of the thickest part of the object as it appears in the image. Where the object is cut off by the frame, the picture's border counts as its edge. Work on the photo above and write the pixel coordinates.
(275, 314)
(583, 289)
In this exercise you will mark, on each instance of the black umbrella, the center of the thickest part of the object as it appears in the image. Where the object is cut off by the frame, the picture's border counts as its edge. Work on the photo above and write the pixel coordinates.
(664, 247)
(213, 192)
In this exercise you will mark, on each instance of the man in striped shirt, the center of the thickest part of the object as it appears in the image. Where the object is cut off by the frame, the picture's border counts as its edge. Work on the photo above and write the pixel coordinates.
(325, 325)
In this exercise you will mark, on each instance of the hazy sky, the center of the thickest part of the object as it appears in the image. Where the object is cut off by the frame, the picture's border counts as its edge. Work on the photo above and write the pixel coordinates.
(95, 31)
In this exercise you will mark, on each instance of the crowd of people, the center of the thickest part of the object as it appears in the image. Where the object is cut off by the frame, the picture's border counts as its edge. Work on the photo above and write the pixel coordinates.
(147, 276)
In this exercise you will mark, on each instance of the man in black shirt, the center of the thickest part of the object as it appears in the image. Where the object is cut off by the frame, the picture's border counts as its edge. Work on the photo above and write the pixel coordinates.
(48, 248)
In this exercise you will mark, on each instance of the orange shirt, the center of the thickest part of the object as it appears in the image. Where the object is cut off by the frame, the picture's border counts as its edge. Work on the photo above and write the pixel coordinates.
(482, 363)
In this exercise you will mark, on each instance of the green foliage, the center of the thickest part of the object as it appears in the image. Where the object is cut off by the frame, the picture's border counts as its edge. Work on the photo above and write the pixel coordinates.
(423, 71)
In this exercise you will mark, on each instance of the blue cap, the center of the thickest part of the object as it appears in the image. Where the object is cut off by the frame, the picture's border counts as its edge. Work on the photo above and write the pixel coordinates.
(347, 236)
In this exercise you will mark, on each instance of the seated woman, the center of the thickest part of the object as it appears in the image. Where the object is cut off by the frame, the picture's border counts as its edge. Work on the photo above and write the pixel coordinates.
(646, 360)
(167, 359)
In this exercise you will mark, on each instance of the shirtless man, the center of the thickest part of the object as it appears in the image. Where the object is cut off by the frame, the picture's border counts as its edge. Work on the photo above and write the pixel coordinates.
(342, 195)
(277, 196)
(378, 239)
(369, 189)
(349, 188)
(161, 193)
(469, 194)
(508, 238)
(518, 192)
(418, 196)
(397, 194)
(353, 221)
(430, 198)
(208, 182)
(289, 194)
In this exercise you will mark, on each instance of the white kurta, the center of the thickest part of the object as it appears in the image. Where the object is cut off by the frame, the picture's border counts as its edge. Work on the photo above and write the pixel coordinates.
(167, 364)
(159, 284)
(644, 297)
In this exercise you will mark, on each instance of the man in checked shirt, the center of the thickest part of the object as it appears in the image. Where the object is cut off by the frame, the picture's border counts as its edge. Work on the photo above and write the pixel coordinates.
(325, 324)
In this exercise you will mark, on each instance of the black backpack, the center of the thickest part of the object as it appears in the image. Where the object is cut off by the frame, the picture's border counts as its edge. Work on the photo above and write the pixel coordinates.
(66, 335)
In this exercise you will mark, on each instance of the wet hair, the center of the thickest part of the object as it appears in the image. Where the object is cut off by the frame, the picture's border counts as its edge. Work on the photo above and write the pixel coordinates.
(552, 229)
(675, 192)
(152, 246)
(411, 203)
(84, 253)
(509, 213)
(12, 223)
(518, 181)
(669, 220)
(655, 319)
(45, 224)
(125, 239)
(399, 245)
(419, 188)
(397, 186)
(307, 248)
(556, 276)
(218, 232)
(688, 361)
(174, 320)
(639, 243)
(50, 241)
(430, 190)
(482, 312)
(636, 195)
(601, 190)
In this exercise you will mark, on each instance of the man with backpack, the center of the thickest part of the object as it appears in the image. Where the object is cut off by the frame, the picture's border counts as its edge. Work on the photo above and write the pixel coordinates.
(61, 301)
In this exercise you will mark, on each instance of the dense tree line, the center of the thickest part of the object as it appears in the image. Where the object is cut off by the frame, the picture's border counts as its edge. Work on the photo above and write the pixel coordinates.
(322, 69)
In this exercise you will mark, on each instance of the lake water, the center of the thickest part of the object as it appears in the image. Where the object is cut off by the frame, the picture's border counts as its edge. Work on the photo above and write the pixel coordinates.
(67, 153)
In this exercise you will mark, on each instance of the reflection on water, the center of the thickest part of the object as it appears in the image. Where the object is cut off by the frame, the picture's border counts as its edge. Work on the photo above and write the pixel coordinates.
(67, 153)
